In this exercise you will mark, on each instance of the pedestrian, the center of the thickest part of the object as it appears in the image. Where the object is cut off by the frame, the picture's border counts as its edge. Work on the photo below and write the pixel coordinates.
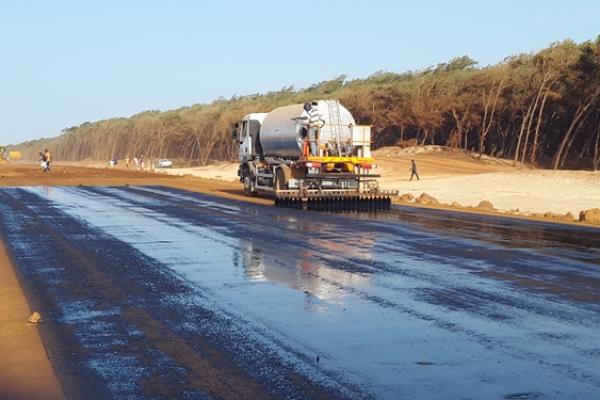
(47, 159)
(127, 162)
(136, 162)
(413, 170)
(42, 161)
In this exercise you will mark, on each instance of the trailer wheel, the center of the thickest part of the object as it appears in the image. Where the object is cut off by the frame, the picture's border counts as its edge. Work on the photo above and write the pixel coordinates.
(280, 182)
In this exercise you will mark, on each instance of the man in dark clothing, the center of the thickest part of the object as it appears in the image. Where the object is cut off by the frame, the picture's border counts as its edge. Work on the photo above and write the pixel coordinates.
(413, 170)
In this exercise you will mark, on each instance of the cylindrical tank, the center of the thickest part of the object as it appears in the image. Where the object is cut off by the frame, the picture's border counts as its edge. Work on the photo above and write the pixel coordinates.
(284, 129)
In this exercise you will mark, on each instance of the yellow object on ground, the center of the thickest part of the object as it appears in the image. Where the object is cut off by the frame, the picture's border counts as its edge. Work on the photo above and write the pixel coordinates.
(15, 155)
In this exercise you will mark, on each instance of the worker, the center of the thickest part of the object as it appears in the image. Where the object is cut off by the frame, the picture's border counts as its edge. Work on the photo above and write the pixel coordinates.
(47, 159)
(312, 138)
(42, 160)
(315, 123)
(413, 170)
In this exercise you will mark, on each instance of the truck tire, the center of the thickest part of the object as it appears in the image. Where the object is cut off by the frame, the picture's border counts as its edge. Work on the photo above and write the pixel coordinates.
(280, 181)
(249, 188)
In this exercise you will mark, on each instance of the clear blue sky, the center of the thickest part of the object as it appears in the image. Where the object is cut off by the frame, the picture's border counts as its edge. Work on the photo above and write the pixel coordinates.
(66, 62)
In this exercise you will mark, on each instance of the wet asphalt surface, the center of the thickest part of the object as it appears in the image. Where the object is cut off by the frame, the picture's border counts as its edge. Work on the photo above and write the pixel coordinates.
(155, 293)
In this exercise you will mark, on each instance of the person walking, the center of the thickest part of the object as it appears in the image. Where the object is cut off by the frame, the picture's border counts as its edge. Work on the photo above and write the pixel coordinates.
(413, 170)
(47, 159)
(42, 161)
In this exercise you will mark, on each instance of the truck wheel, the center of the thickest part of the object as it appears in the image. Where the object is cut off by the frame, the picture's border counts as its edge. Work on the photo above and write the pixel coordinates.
(280, 183)
(248, 184)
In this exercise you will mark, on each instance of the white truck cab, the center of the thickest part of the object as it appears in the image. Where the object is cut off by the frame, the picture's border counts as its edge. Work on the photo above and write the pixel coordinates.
(246, 132)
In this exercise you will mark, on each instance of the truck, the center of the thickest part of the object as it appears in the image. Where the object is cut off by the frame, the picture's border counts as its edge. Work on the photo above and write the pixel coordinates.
(308, 154)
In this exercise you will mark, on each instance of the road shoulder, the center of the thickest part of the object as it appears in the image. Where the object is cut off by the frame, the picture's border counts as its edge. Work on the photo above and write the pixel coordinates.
(25, 370)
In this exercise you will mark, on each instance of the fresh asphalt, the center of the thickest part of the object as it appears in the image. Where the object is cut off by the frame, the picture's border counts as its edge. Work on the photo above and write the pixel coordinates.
(156, 293)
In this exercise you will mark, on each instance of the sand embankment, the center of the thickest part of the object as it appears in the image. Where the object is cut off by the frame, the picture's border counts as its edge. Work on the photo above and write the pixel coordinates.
(529, 191)
(25, 370)
(451, 176)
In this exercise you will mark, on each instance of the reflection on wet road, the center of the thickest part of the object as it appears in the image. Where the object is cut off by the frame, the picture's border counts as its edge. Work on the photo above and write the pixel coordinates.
(157, 293)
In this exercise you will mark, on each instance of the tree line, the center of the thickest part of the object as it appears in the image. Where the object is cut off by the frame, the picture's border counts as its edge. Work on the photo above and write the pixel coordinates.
(541, 108)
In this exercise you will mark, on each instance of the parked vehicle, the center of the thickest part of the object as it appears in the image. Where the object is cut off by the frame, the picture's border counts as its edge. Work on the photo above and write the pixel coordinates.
(164, 163)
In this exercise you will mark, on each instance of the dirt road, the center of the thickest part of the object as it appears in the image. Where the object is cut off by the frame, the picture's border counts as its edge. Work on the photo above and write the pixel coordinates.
(152, 292)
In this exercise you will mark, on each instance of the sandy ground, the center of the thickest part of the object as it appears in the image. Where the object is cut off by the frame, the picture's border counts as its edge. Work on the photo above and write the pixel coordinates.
(453, 176)
(25, 371)
(224, 171)
(69, 175)
(531, 191)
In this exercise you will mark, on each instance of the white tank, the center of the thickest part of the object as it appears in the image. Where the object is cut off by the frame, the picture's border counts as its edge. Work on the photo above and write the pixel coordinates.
(283, 131)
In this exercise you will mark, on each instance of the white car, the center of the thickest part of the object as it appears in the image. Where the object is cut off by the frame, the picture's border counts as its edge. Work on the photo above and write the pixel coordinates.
(164, 163)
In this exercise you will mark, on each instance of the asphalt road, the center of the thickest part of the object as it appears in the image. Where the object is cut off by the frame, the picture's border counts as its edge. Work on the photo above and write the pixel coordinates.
(149, 292)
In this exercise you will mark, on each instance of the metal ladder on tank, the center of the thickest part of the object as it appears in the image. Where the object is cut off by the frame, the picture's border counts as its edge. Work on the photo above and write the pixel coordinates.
(335, 122)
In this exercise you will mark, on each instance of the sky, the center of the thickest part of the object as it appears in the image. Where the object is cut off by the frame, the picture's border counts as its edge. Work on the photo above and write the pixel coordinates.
(63, 63)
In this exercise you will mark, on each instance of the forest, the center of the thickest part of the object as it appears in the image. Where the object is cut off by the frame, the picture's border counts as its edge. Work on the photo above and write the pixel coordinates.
(541, 109)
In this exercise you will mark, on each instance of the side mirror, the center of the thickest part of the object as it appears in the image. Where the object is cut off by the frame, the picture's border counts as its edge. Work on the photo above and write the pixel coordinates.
(234, 131)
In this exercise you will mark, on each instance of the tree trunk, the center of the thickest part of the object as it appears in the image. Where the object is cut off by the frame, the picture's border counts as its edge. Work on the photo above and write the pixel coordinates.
(487, 125)
(570, 142)
(579, 113)
(466, 139)
(206, 152)
(597, 149)
(453, 139)
(460, 125)
(528, 131)
(523, 124)
(536, 136)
